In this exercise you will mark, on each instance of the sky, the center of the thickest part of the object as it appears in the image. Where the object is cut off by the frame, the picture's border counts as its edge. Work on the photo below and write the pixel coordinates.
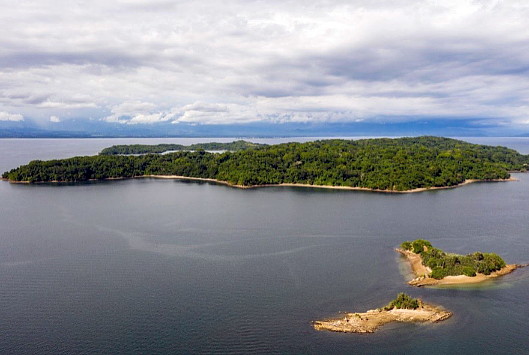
(272, 63)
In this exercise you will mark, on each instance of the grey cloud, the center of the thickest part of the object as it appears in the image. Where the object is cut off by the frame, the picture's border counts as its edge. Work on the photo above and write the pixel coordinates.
(426, 61)
(204, 107)
(35, 100)
(31, 59)
(96, 58)
(25, 99)
(150, 6)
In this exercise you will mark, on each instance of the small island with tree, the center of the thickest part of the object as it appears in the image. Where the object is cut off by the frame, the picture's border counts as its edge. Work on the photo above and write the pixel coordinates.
(402, 309)
(432, 266)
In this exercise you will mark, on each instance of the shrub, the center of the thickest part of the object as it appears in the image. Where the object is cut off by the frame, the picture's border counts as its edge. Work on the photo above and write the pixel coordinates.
(419, 245)
(438, 273)
(469, 271)
(406, 245)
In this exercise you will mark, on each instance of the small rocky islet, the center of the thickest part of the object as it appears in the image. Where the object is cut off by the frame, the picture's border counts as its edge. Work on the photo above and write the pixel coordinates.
(402, 309)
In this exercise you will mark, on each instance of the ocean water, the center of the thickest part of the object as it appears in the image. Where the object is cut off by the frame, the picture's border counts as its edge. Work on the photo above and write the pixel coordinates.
(165, 266)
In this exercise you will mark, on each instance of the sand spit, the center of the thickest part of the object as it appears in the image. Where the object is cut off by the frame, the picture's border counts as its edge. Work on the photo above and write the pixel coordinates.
(370, 321)
(422, 279)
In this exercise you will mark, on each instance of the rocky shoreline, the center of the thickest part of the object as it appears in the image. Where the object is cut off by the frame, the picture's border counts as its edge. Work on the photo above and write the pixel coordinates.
(370, 321)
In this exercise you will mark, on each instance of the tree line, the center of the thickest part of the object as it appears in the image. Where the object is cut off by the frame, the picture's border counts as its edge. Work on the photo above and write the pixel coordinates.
(162, 148)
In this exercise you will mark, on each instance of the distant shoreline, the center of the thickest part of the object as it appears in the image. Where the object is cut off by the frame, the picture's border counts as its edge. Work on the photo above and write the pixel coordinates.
(351, 188)
(421, 273)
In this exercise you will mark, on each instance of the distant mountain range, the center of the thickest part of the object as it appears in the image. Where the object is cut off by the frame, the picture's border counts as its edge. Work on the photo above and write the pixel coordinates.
(82, 128)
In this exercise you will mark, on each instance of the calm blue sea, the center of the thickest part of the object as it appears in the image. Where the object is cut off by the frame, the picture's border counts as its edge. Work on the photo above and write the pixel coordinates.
(170, 267)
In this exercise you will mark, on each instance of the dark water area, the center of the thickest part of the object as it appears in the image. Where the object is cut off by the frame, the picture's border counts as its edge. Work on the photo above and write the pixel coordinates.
(165, 266)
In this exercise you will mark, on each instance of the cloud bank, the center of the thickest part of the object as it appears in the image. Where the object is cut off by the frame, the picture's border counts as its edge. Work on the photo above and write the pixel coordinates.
(242, 61)
(6, 116)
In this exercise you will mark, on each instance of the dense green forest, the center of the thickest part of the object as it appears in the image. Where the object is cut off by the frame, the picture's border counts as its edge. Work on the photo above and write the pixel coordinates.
(382, 164)
(162, 148)
(444, 264)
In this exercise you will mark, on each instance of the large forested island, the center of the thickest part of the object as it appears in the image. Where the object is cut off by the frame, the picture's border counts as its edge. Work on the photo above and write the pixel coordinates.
(402, 309)
(383, 164)
(433, 266)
